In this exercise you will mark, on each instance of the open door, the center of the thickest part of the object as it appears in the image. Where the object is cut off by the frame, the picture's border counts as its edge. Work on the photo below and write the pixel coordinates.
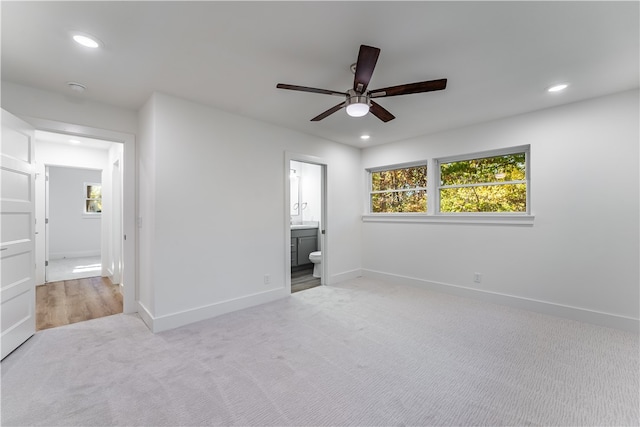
(17, 232)
(116, 224)
(311, 199)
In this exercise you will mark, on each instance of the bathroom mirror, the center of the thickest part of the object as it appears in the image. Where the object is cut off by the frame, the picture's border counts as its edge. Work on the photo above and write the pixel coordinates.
(295, 203)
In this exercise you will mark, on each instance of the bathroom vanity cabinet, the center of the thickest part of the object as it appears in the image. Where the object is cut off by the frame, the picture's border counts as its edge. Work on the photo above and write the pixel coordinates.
(303, 242)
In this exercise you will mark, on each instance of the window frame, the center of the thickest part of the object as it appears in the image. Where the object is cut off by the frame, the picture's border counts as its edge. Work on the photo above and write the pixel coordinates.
(85, 199)
(526, 149)
(370, 192)
(433, 214)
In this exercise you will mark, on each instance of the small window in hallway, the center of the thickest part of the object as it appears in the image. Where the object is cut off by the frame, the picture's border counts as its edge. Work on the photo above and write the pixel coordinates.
(93, 198)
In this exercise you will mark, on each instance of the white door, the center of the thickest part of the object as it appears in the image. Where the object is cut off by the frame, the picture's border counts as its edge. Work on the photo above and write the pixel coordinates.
(46, 225)
(17, 228)
(115, 250)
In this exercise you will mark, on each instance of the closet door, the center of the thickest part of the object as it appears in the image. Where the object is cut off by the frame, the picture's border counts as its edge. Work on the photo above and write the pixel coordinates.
(17, 233)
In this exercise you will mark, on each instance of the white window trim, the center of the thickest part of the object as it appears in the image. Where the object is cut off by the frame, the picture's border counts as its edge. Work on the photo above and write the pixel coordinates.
(479, 218)
(485, 153)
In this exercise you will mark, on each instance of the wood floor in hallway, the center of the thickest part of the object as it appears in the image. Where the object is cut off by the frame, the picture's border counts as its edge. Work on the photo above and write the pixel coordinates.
(71, 301)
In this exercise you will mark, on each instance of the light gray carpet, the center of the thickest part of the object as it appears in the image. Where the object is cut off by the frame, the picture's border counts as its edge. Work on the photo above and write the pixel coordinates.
(360, 353)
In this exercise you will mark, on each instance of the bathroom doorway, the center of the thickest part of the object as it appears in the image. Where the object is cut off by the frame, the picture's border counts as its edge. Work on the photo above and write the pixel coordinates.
(306, 224)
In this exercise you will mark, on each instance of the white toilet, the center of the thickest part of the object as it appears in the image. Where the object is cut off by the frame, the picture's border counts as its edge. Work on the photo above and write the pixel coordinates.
(315, 258)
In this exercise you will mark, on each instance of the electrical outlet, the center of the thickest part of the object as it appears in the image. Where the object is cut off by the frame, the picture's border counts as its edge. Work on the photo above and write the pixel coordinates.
(477, 277)
(267, 279)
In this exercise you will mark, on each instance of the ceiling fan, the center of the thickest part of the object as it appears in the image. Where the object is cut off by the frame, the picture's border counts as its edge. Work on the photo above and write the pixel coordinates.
(358, 100)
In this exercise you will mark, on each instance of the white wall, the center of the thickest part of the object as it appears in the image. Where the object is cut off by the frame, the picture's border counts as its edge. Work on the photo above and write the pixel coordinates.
(147, 209)
(580, 257)
(71, 233)
(211, 230)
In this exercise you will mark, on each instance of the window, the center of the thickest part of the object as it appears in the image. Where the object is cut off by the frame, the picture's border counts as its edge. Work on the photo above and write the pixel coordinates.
(402, 189)
(490, 187)
(92, 198)
(490, 183)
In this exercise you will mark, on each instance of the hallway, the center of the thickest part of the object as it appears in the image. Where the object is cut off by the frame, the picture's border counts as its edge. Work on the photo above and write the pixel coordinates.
(73, 268)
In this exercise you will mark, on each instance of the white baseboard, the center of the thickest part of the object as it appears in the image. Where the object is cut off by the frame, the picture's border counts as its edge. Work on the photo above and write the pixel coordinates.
(145, 314)
(175, 320)
(73, 254)
(545, 307)
(344, 276)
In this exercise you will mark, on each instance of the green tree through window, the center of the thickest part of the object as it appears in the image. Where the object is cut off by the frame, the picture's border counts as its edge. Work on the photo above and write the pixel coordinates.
(93, 198)
(399, 190)
(489, 184)
(495, 182)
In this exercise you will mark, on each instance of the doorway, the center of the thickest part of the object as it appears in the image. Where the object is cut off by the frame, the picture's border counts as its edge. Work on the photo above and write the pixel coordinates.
(73, 223)
(79, 228)
(128, 188)
(306, 223)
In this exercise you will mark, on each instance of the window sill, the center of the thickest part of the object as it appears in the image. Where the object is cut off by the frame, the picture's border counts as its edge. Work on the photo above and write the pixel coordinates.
(488, 219)
(92, 216)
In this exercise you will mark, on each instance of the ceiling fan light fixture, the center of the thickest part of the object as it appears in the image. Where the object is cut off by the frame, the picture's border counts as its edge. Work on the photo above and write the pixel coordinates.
(357, 104)
(357, 109)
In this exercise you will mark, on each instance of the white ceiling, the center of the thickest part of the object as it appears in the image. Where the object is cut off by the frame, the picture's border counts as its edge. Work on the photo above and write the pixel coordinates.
(73, 140)
(498, 57)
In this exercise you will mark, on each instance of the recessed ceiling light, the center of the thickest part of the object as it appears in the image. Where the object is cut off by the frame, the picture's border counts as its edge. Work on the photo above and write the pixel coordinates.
(365, 137)
(74, 141)
(558, 88)
(86, 40)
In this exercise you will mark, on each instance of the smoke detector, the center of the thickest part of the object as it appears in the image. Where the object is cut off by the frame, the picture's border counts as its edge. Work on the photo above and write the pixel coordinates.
(76, 87)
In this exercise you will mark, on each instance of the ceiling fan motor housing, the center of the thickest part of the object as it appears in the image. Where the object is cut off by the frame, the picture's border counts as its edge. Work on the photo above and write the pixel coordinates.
(354, 97)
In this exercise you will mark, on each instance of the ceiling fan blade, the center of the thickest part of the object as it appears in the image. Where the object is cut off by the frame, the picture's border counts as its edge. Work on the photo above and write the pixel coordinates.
(328, 112)
(367, 58)
(377, 110)
(407, 89)
(310, 89)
